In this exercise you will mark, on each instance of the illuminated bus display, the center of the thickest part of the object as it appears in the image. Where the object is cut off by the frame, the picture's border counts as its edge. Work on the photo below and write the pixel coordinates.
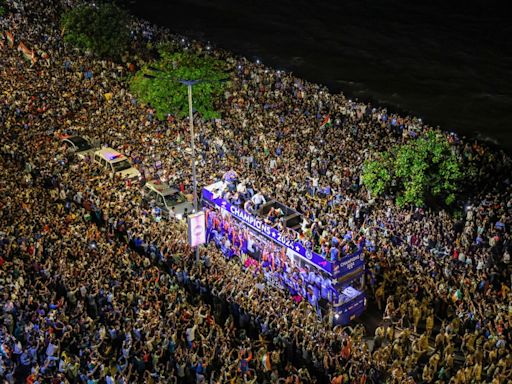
(285, 261)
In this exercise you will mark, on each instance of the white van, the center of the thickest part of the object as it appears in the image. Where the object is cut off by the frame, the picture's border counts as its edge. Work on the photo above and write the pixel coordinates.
(115, 163)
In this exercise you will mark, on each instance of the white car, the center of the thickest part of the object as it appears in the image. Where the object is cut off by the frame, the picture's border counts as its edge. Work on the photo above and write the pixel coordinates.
(115, 163)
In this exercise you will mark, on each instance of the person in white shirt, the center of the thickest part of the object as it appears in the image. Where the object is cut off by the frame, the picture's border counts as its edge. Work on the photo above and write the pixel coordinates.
(52, 348)
(314, 184)
(172, 213)
(248, 206)
(241, 188)
(191, 335)
(258, 199)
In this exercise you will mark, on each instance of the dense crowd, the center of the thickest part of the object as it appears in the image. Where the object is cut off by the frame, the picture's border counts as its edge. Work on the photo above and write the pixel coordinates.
(94, 290)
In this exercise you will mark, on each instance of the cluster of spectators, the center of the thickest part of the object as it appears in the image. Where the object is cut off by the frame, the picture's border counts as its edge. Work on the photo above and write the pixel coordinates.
(94, 290)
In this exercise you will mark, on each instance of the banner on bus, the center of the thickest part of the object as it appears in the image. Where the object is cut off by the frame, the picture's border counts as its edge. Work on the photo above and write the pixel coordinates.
(349, 264)
(260, 226)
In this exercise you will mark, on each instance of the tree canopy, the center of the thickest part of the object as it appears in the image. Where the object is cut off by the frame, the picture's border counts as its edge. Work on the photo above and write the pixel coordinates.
(425, 168)
(2, 7)
(101, 29)
(167, 95)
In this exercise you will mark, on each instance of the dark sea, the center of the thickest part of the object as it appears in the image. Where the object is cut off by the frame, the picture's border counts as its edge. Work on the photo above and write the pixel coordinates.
(448, 62)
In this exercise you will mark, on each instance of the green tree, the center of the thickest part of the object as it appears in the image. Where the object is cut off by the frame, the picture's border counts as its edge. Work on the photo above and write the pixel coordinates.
(101, 29)
(168, 96)
(2, 7)
(376, 174)
(422, 169)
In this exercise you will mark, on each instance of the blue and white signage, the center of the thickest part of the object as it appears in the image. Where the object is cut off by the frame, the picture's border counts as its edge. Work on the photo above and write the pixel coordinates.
(349, 264)
(332, 268)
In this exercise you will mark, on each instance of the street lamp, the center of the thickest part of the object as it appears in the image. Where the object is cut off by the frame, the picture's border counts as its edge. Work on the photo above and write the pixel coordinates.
(190, 84)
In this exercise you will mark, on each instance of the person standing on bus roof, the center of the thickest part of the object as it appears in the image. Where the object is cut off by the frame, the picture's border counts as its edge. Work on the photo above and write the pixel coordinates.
(258, 199)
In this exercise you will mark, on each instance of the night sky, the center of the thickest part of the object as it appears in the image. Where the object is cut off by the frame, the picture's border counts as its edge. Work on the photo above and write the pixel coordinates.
(449, 62)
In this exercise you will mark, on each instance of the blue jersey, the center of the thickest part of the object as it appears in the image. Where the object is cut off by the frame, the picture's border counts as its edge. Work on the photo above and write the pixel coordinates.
(334, 253)
(326, 289)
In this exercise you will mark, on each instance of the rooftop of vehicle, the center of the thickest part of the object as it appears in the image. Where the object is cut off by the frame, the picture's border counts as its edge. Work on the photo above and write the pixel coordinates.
(111, 154)
(162, 188)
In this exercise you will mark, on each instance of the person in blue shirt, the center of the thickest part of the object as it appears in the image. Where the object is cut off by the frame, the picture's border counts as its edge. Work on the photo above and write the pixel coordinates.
(326, 289)
(303, 273)
(310, 295)
(26, 363)
(335, 241)
(323, 251)
(199, 368)
(316, 294)
(311, 277)
(334, 253)
(319, 280)
(245, 358)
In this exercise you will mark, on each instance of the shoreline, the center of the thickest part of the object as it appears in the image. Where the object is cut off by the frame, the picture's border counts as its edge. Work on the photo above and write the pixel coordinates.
(366, 91)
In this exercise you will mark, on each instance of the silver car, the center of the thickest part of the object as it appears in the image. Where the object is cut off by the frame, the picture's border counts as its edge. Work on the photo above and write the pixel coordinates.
(80, 146)
(171, 201)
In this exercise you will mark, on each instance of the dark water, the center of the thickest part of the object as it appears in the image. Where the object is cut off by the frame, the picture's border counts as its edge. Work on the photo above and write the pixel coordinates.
(449, 62)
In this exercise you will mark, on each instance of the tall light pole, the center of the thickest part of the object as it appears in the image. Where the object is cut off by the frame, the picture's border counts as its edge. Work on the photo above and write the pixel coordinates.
(190, 84)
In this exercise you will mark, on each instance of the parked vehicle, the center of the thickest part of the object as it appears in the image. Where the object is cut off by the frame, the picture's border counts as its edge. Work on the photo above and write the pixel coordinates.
(79, 145)
(171, 201)
(115, 163)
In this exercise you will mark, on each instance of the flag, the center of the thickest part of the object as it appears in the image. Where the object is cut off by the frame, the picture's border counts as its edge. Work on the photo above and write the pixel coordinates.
(326, 122)
(27, 53)
(10, 39)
